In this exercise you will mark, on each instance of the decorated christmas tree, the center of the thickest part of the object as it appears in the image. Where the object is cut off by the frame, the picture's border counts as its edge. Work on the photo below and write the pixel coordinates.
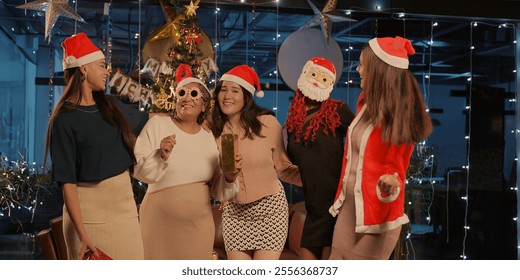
(186, 37)
(179, 41)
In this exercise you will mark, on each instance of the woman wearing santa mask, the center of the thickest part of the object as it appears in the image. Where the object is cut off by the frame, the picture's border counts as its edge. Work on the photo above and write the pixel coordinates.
(391, 117)
(316, 127)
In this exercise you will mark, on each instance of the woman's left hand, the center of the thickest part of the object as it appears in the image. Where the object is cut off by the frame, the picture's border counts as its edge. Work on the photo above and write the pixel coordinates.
(231, 177)
(389, 184)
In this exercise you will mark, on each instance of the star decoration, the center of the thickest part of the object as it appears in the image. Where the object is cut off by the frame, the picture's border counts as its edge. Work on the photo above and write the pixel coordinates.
(172, 28)
(169, 30)
(190, 9)
(325, 18)
(169, 12)
(53, 9)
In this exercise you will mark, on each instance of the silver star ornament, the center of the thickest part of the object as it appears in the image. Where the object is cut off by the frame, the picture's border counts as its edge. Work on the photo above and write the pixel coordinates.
(53, 9)
(325, 18)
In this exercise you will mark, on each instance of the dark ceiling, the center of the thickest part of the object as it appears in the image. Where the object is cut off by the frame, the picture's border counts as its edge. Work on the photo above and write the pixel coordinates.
(246, 32)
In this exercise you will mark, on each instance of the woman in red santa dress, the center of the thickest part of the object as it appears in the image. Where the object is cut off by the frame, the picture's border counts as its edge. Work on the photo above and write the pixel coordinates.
(391, 117)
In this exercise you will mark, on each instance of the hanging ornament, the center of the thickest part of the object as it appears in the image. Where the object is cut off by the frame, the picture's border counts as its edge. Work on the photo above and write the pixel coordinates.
(53, 9)
(191, 36)
(209, 66)
(171, 55)
(325, 18)
(190, 9)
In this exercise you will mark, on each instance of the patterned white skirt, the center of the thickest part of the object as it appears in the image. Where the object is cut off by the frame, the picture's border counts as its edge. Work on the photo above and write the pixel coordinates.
(258, 225)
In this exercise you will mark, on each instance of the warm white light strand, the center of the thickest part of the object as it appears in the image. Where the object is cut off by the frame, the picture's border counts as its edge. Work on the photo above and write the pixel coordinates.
(428, 78)
(253, 41)
(409, 243)
(276, 60)
(51, 77)
(432, 183)
(427, 99)
(75, 20)
(108, 39)
(448, 203)
(349, 61)
(470, 98)
(141, 105)
(217, 41)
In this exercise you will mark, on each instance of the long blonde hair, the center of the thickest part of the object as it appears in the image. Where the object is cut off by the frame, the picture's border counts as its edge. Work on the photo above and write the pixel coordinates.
(394, 101)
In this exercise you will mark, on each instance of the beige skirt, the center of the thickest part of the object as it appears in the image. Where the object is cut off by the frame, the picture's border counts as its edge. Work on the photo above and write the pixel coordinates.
(110, 218)
(177, 223)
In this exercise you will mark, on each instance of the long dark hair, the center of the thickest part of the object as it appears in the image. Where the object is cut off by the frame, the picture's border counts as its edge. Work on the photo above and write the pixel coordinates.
(394, 101)
(248, 115)
(109, 110)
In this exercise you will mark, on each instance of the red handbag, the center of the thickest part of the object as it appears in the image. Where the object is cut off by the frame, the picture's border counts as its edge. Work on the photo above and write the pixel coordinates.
(101, 255)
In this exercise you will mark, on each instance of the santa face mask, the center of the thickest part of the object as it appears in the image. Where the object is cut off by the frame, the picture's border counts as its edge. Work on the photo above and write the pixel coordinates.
(315, 83)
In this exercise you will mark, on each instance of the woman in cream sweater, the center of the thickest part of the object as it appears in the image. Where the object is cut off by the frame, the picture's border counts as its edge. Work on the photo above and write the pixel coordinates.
(180, 162)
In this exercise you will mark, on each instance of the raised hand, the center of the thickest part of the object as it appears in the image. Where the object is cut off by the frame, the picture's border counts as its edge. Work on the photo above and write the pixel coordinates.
(231, 177)
(167, 144)
(389, 184)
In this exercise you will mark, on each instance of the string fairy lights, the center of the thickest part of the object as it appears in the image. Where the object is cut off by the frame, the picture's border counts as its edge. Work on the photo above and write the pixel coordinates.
(277, 38)
(51, 77)
(216, 42)
(142, 104)
(465, 199)
(350, 63)
(470, 80)
(420, 172)
(107, 37)
(253, 41)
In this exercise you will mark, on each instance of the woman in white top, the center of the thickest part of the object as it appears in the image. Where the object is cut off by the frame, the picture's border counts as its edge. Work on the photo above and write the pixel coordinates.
(180, 162)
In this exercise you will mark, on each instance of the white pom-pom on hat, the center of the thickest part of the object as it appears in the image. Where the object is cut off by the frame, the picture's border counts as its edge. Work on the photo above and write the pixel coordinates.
(78, 50)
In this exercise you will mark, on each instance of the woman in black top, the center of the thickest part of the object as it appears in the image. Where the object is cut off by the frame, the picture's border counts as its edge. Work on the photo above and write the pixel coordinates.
(91, 145)
(316, 126)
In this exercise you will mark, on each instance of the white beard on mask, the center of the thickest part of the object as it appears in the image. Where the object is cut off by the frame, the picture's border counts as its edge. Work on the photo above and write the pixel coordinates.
(307, 88)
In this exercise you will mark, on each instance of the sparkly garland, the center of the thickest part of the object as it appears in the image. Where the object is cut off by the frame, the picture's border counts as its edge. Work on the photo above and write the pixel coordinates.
(20, 185)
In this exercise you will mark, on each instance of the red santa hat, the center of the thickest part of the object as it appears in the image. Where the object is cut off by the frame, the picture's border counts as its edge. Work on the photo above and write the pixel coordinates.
(393, 51)
(78, 50)
(246, 77)
(184, 76)
(323, 64)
